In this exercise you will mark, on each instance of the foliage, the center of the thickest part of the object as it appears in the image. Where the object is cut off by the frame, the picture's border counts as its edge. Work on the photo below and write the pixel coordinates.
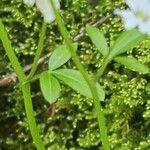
(74, 125)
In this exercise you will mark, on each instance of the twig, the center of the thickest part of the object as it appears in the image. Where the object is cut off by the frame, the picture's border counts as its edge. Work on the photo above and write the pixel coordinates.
(96, 24)
(11, 79)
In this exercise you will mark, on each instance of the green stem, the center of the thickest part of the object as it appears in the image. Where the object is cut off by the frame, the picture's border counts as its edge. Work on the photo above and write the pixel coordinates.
(25, 87)
(100, 72)
(10, 53)
(30, 116)
(39, 50)
(35, 77)
(90, 82)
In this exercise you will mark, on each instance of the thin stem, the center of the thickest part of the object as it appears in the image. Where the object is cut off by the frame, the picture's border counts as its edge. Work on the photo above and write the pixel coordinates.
(25, 87)
(100, 72)
(39, 50)
(30, 116)
(90, 82)
(34, 78)
(10, 53)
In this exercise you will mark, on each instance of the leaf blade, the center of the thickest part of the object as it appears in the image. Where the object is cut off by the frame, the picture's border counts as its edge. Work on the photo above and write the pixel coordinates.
(50, 87)
(133, 64)
(127, 41)
(59, 57)
(75, 80)
(98, 39)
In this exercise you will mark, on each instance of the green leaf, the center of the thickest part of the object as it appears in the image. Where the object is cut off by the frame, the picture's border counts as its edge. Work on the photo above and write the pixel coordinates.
(98, 39)
(133, 64)
(50, 87)
(127, 41)
(75, 80)
(101, 92)
(59, 57)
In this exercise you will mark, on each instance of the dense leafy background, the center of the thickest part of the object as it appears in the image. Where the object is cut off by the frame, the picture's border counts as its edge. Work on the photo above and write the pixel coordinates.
(74, 124)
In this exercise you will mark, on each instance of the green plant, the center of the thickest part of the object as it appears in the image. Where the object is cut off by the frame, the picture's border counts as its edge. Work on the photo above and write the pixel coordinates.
(109, 82)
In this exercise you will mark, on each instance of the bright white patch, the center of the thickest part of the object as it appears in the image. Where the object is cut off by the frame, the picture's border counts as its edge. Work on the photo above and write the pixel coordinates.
(128, 17)
(45, 8)
(145, 27)
(29, 2)
(138, 15)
